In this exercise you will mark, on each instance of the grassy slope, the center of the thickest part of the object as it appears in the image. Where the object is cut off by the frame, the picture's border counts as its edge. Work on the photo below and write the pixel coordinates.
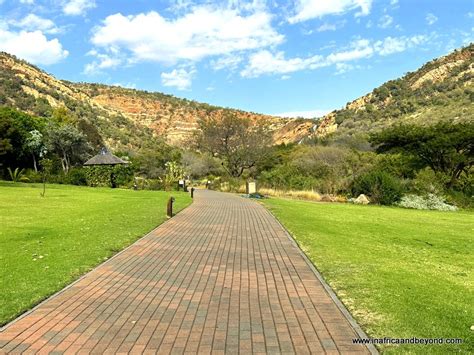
(402, 273)
(72, 228)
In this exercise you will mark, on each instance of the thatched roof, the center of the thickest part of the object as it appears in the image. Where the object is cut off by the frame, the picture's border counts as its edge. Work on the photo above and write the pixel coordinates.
(105, 158)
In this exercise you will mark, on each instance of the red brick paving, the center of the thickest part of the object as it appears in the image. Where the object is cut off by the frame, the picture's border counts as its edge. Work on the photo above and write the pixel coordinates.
(222, 276)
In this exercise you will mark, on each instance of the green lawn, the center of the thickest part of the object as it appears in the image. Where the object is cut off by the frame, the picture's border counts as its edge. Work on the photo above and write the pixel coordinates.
(402, 273)
(45, 243)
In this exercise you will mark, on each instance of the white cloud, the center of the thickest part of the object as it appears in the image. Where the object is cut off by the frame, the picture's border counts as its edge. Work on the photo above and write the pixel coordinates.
(359, 49)
(33, 22)
(77, 7)
(32, 46)
(178, 78)
(342, 68)
(203, 32)
(304, 114)
(27, 2)
(230, 62)
(326, 27)
(431, 19)
(104, 61)
(392, 45)
(266, 62)
(385, 21)
(310, 9)
(128, 85)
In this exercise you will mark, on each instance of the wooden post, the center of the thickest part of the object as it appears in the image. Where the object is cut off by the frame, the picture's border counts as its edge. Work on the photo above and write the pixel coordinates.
(192, 192)
(169, 207)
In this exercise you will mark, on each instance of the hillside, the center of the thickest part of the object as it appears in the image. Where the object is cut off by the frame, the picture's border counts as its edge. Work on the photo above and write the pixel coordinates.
(442, 89)
(124, 118)
(129, 119)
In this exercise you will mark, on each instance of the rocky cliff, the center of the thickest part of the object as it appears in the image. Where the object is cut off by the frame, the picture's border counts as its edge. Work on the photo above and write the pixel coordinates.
(114, 109)
(442, 89)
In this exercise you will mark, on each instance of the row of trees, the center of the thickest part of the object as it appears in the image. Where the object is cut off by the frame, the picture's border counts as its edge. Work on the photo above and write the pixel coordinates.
(63, 142)
(403, 157)
(25, 140)
(398, 159)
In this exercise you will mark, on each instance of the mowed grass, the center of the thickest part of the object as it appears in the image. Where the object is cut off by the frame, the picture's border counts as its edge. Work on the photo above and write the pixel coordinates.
(402, 273)
(46, 243)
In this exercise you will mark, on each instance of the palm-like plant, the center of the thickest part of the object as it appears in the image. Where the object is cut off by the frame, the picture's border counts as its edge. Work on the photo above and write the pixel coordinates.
(17, 175)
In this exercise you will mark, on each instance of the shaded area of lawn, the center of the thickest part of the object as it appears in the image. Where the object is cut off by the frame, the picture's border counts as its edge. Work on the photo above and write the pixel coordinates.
(46, 243)
(402, 273)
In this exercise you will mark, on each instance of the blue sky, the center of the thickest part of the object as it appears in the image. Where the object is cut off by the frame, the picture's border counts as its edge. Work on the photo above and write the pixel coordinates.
(302, 57)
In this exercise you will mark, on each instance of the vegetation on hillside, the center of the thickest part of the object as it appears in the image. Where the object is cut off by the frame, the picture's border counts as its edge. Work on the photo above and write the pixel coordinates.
(441, 90)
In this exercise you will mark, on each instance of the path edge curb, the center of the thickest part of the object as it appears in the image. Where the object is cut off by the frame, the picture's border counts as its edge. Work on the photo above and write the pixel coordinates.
(65, 288)
(360, 332)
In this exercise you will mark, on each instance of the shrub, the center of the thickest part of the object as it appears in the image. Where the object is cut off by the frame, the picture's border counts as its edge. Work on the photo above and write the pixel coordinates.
(76, 176)
(380, 186)
(17, 175)
(427, 181)
(33, 176)
(427, 202)
(460, 199)
(287, 177)
(100, 175)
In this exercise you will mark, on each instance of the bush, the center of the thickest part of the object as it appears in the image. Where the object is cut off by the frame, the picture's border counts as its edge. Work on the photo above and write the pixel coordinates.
(100, 175)
(76, 176)
(380, 186)
(460, 199)
(427, 202)
(33, 176)
(287, 177)
(427, 181)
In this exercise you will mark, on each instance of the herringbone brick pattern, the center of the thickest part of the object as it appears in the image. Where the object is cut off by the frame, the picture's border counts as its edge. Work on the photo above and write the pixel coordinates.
(220, 277)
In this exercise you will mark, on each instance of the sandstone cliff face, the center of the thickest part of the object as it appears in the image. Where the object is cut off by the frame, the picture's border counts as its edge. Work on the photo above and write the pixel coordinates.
(437, 74)
(176, 120)
(422, 97)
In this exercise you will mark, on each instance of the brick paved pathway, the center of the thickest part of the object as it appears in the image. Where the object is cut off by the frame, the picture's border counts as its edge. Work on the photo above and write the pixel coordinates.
(221, 276)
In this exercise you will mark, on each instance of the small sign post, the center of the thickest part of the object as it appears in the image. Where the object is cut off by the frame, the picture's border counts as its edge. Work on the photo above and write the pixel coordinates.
(251, 187)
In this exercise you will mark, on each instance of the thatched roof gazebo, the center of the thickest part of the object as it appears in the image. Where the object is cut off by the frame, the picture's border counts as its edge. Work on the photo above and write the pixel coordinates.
(104, 158)
(108, 161)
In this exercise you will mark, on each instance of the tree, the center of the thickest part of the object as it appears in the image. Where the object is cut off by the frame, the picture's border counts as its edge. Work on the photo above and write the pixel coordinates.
(35, 146)
(199, 165)
(68, 143)
(14, 130)
(239, 144)
(174, 172)
(445, 147)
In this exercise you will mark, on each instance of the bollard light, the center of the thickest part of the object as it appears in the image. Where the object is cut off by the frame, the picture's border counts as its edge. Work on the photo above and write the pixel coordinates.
(169, 207)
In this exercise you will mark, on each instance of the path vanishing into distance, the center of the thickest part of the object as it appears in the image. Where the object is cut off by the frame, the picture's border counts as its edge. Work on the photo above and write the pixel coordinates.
(222, 276)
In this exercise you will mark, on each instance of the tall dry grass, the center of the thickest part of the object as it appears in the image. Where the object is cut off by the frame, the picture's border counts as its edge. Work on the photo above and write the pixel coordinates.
(302, 195)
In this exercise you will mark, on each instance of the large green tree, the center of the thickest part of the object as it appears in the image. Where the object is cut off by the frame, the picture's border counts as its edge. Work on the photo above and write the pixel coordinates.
(68, 143)
(240, 144)
(445, 147)
(15, 128)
